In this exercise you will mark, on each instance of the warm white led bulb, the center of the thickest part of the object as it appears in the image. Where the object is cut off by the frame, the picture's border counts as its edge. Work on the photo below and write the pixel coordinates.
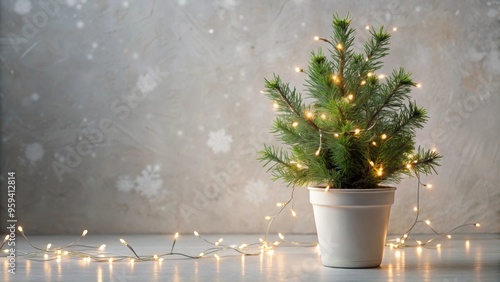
(85, 232)
(428, 222)
(196, 234)
(316, 38)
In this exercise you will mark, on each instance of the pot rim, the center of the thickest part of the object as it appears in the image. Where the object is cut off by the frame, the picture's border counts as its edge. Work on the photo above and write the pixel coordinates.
(352, 190)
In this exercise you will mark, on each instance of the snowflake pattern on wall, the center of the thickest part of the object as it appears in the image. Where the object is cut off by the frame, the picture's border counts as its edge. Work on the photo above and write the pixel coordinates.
(34, 152)
(147, 184)
(256, 192)
(219, 141)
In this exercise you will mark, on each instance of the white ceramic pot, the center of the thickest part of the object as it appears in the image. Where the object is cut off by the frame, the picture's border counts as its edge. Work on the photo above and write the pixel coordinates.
(351, 225)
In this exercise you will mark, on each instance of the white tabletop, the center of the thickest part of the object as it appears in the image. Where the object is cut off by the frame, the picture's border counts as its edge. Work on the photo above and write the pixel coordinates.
(461, 258)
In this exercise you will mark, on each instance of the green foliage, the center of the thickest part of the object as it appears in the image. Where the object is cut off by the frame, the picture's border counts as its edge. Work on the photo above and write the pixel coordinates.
(359, 129)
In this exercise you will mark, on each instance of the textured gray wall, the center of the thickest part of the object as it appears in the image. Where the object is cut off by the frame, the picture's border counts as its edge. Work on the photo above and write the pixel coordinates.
(145, 116)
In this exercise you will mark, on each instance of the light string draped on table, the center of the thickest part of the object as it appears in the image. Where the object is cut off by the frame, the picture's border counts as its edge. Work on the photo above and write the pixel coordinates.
(98, 254)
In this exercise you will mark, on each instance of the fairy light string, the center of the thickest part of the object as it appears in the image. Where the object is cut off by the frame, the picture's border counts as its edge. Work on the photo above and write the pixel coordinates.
(263, 246)
(402, 241)
(96, 253)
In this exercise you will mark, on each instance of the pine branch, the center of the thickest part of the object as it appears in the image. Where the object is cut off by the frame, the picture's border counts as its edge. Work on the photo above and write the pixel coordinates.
(343, 38)
(276, 91)
(277, 86)
(274, 154)
(287, 133)
(425, 161)
(409, 119)
(376, 48)
(400, 80)
(319, 83)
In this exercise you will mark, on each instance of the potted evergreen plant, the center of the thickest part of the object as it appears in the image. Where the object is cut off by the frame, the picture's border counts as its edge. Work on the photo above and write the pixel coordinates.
(355, 134)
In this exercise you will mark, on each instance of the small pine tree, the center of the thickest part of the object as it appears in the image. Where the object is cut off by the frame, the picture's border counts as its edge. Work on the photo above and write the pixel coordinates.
(359, 129)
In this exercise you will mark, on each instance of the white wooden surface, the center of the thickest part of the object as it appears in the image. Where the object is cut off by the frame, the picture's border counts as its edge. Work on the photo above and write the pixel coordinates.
(462, 258)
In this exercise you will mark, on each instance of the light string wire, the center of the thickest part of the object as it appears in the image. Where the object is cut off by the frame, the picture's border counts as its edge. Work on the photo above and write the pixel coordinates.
(96, 253)
(402, 241)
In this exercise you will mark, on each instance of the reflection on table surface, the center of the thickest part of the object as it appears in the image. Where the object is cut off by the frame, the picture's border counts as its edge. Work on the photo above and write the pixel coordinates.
(461, 258)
